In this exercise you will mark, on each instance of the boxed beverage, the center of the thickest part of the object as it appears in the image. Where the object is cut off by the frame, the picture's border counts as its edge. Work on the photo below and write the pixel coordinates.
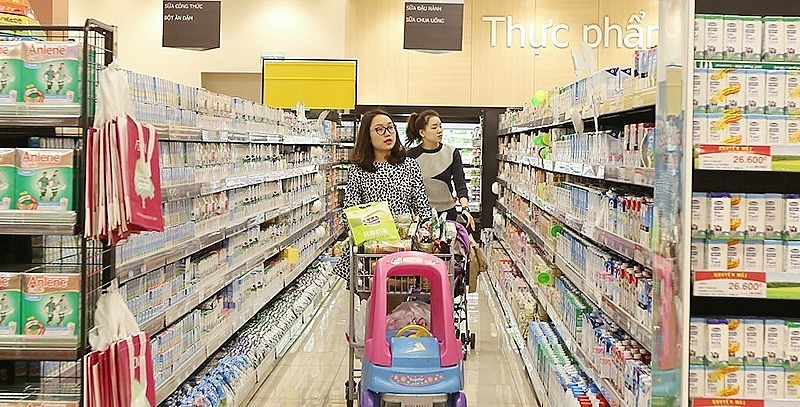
(11, 72)
(700, 204)
(776, 130)
(698, 251)
(792, 390)
(699, 36)
(717, 343)
(791, 263)
(793, 343)
(715, 37)
(753, 382)
(10, 302)
(700, 128)
(51, 72)
(738, 216)
(697, 340)
(774, 382)
(724, 380)
(735, 255)
(735, 341)
(774, 216)
(776, 92)
(735, 89)
(755, 215)
(700, 90)
(720, 214)
(717, 255)
(51, 304)
(44, 179)
(773, 256)
(753, 255)
(717, 81)
(697, 380)
(792, 42)
(718, 128)
(754, 341)
(791, 225)
(753, 28)
(793, 129)
(774, 342)
(792, 93)
(774, 49)
(7, 175)
(733, 38)
(755, 91)
(737, 128)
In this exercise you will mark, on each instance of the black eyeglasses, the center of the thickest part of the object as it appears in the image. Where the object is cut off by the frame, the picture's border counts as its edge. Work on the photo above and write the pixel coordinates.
(384, 130)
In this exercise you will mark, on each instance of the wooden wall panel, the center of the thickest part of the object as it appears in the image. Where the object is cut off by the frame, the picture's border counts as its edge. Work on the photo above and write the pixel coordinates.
(619, 11)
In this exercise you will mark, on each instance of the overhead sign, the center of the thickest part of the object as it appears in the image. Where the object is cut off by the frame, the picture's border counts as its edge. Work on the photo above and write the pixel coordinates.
(318, 84)
(191, 25)
(434, 25)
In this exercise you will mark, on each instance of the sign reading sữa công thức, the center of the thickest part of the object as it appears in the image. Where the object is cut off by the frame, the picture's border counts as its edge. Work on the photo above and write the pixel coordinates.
(191, 25)
(434, 25)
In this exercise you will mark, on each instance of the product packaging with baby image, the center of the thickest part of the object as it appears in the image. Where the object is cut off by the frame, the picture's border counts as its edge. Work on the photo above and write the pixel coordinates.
(44, 179)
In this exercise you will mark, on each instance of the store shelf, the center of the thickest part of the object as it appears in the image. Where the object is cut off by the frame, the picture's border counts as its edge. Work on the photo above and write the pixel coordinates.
(33, 348)
(34, 223)
(549, 251)
(232, 324)
(25, 120)
(635, 103)
(746, 284)
(636, 176)
(516, 336)
(616, 244)
(213, 187)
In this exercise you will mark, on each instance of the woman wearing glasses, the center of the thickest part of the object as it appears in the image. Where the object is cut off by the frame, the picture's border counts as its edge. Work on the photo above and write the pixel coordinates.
(441, 165)
(381, 172)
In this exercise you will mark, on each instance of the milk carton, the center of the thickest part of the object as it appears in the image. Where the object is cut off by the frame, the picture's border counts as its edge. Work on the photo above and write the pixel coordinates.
(698, 253)
(793, 93)
(700, 89)
(774, 382)
(697, 380)
(7, 178)
(738, 216)
(793, 343)
(10, 72)
(753, 28)
(697, 340)
(10, 303)
(774, 342)
(734, 89)
(700, 209)
(734, 37)
(774, 49)
(700, 128)
(773, 256)
(791, 225)
(718, 128)
(754, 341)
(777, 130)
(715, 37)
(51, 72)
(700, 36)
(717, 345)
(44, 179)
(754, 382)
(51, 304)
(735, 255)
(755, 215)
(792, 41)
(720, 214)
(756, 129)
(774, 216)
(776, 92)
(717, 81)
(755, 91)
(736, 339)
(753, 255)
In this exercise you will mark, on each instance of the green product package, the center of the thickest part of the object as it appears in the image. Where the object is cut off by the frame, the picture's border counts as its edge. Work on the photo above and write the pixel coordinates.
(51, 72)
(7, 176)
(44, 179)
(11, 64)
(51, 304)
(372, 221)
(10, 303)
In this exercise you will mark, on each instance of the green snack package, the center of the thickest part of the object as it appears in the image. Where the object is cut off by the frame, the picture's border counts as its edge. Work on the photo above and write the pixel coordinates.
(372, 221)
(51, 304)
(51, 72)
(44, 179)
(10, 303)
(7, 175)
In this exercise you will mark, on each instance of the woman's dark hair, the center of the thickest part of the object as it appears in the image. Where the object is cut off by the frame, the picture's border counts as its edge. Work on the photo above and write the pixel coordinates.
(363, 155)
(417, 122)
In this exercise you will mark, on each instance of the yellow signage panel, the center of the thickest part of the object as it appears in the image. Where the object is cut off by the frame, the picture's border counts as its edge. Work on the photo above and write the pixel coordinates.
(319, 84)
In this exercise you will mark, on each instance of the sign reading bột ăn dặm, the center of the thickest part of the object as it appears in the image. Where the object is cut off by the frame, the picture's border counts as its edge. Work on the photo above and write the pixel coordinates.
(191, 25)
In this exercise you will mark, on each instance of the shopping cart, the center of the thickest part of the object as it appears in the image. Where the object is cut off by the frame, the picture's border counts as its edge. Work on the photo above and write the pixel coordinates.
(460, 249)
(405, 287)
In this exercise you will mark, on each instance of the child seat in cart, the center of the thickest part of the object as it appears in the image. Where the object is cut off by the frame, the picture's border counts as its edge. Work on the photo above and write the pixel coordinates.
(412, 366)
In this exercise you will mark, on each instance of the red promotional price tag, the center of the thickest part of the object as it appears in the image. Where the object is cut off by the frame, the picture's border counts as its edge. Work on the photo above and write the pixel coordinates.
(748, 284)
(731, 157)
(720, 402)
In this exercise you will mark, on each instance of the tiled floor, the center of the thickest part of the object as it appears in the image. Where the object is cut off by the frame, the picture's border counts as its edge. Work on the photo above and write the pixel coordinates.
(314, 370)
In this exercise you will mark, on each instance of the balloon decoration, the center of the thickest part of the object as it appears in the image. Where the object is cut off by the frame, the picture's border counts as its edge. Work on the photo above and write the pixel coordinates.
(539, 98)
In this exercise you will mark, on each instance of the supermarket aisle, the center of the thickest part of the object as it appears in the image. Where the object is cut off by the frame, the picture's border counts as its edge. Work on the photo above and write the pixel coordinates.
(314, 370)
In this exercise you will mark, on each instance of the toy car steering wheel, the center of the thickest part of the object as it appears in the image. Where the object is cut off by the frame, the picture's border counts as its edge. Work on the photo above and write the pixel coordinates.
(420, 331)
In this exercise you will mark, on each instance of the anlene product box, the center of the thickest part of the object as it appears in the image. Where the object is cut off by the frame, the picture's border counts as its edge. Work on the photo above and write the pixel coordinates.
(738, 216)
(736, 341)
(700, 36)
(51, 72)
(697, 340)
(755, 91)
(753, 255)
(774, 342)
(10, 311)
(774, 382)
(44, 179)
(774, 49)
(733, 37)
(11, 72)
(7, 178)
(792, 41)
(697, 380)
(792, 93)
(773, 256)
(51, 304)
(776, 92)
(717, 344)
(700, 87)
(753, 382)
(753, 341)
(753, 28)
(755, 215)
(720, 214)
(715, 37)
(774, 216)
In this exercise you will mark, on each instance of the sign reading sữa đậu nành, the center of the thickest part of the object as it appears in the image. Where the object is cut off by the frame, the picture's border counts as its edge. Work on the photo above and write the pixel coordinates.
(434, 25)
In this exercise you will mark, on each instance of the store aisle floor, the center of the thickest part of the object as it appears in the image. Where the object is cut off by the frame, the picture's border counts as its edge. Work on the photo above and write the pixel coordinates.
(315, 368)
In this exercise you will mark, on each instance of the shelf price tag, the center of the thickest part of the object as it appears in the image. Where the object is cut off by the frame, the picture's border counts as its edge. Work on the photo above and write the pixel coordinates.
(745, 284)
(721, 402)
(733, 157)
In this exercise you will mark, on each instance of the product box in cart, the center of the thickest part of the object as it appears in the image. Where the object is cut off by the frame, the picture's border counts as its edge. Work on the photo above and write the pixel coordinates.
(51, 304)
(7, 175)
(51, 72)
(44, 179)
(10, 303)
